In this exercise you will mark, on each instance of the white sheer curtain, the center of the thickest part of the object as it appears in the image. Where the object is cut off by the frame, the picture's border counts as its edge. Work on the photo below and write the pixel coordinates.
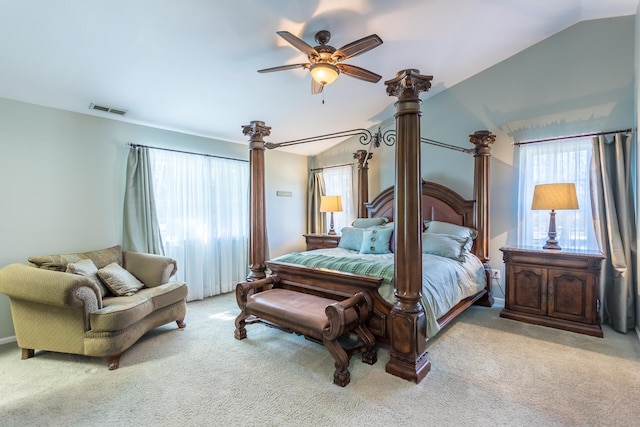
(566, 160)
(338, 181)
(203, 212)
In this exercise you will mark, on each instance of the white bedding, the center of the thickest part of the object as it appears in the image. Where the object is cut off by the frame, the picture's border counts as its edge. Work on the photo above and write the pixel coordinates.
(445, 281)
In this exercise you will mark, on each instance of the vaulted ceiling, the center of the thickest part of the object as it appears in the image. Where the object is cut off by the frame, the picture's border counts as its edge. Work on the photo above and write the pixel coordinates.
(190, 65)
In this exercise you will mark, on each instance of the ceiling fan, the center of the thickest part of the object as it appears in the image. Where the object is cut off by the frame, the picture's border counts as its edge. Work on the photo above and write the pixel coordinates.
(325, 62)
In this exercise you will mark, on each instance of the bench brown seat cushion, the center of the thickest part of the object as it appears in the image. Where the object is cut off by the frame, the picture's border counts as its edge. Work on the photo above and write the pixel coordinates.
(287, 307)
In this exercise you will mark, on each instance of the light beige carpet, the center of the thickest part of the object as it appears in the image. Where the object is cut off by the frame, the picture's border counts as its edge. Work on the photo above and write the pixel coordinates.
(486, 371)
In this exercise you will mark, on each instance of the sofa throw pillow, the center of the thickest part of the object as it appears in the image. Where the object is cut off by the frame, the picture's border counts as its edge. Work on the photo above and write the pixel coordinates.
(100, 258)
(119, 281)
(368, 222)
(444, 245)
(376, 240)
(86, 268)
(440, 227)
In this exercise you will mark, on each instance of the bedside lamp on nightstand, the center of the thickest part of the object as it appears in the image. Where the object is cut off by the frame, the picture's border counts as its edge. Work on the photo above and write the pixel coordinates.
(331, 204)
(554, 197)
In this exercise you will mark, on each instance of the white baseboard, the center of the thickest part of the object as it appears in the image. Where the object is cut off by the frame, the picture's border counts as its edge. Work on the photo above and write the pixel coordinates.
(7, 340)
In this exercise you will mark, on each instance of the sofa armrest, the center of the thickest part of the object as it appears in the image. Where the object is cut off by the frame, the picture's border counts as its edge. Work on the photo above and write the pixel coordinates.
(152, 270)
(28, 283)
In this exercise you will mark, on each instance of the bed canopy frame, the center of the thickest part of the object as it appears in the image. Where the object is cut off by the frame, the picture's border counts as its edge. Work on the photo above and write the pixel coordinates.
(407, 321)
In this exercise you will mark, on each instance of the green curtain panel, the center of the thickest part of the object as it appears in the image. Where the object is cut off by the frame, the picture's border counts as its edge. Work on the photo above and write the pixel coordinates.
(614, 215)
(316, 222)
(141, 232)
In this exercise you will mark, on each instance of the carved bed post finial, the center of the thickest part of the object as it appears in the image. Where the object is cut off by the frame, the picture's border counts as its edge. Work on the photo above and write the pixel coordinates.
(482, 140)
(407, 355)
(363, 157)
(257, 214)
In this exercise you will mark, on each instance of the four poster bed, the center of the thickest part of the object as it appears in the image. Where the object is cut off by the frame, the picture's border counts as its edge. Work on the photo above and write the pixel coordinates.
(399, 312)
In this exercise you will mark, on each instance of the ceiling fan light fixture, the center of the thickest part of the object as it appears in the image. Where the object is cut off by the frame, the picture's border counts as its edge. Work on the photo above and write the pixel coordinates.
(324, 73)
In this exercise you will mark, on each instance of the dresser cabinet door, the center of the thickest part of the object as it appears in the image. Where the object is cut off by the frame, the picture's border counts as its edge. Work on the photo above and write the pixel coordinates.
(571, 295)
(527, 292)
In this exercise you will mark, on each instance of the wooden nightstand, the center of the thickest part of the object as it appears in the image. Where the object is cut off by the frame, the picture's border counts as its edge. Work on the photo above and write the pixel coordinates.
(553, 288)
(321, 241)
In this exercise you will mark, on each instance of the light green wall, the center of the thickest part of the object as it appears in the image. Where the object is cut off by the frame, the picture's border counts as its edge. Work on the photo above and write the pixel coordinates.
(577, 81)
(637, 116)
(62, 183)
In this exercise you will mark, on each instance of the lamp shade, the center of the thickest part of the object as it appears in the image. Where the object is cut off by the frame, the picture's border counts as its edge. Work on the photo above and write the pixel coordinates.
(331, 204)
(324, 73)
(555, 197)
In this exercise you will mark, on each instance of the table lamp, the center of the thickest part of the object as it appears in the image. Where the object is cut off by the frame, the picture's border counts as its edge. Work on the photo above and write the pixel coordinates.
(554, 197)
(331, 204)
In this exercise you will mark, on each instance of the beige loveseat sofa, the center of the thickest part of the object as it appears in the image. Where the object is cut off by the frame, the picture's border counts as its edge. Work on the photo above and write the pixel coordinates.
(59, 311)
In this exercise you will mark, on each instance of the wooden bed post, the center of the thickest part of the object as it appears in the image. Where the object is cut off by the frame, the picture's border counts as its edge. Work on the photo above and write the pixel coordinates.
(257, 212)
(407, 355)
(363, 157)
(482, 156)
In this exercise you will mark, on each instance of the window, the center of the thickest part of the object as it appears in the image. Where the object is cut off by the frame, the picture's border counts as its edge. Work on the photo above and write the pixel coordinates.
(566, 160)
(203, 212)
(338, 181)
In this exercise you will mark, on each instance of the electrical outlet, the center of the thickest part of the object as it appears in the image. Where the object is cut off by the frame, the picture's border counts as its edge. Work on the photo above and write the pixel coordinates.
(495, 274)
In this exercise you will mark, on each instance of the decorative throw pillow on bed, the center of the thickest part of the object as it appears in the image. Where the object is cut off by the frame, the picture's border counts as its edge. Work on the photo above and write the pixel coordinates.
(440, 227)
(376, 240)
(351, 238)
(86, 267)
(444, 245)
(369, 222)
(119, 280)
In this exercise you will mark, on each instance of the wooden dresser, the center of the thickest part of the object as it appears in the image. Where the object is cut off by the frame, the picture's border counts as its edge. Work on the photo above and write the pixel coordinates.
(321, 241)
(553, 288)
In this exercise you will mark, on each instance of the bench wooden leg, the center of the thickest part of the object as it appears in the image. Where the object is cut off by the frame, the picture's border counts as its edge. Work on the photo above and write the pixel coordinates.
(370, 357)
(341, 376)
(241, 332)
(28, 353)
(370, 353)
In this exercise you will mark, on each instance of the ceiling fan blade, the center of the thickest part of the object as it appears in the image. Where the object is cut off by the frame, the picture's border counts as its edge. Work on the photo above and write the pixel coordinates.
(357, 47)
(316, 87)
(298, 43)
(359, 73)
(283, 67)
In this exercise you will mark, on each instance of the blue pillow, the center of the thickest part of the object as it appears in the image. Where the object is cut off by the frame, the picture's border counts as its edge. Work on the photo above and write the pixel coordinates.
(444, 245)
(376, 241)
(351, 238)
(440, 227)
(369, 222)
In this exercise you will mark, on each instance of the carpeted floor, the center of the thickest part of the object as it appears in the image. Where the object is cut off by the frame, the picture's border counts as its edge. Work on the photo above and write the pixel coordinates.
(486, 371)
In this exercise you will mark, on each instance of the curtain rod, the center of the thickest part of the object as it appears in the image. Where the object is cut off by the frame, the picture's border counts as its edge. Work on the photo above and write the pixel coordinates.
(329, 167)
(185, 152)
(443, 145)
(584, 135)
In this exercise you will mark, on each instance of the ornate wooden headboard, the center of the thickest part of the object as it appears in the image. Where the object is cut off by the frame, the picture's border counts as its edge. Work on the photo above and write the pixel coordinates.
(438, 203)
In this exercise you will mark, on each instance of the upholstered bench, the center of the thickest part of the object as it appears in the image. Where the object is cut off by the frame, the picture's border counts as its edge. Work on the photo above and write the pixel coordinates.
(319, 319)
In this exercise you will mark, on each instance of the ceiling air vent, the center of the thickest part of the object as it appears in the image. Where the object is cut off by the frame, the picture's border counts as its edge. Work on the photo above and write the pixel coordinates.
(118, 111)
